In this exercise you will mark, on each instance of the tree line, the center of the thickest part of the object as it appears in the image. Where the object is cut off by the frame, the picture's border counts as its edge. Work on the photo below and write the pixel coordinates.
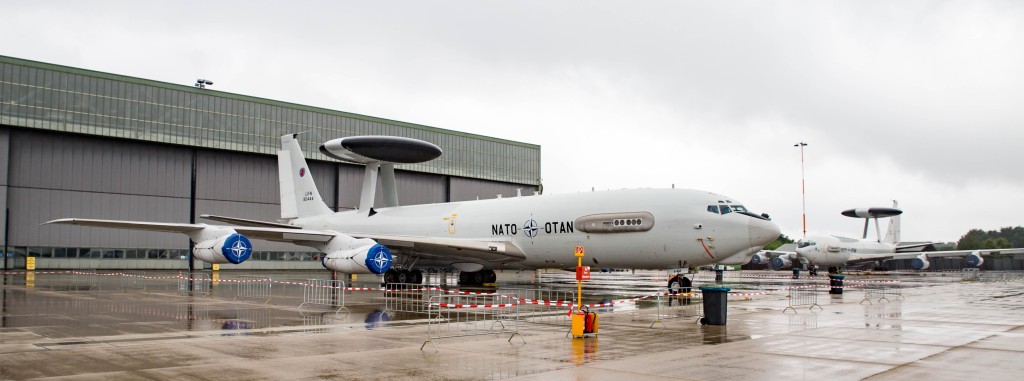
(1005, 238)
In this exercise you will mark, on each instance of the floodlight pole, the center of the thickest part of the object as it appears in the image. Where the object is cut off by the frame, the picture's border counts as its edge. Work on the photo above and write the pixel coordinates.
(803, 191)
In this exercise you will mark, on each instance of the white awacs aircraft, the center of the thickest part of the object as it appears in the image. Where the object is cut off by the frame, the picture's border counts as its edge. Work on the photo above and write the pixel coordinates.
(641, 229)
(833, 251)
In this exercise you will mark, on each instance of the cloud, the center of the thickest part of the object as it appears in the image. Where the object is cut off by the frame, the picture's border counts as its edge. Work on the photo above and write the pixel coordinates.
(917, 101)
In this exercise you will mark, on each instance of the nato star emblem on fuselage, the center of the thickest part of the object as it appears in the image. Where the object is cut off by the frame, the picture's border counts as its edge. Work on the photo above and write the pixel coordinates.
(530, 228)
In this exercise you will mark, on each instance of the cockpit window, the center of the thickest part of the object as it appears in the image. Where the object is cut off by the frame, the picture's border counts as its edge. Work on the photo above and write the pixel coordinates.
(725, 209)
(802, 244)
(713, 209)
(738, 208)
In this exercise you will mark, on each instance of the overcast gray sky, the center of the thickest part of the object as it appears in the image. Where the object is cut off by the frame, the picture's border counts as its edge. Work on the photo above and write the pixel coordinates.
(916, 101)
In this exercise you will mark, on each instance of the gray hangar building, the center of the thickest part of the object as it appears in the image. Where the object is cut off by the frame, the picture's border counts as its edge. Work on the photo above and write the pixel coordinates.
(82, 143)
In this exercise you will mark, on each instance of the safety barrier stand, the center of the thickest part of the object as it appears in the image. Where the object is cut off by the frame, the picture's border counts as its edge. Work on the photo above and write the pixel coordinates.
(252, 287)
(874, 292)
(803, 294)
(969, 274)
(452, 316)
(408, 297)
(194, 284)
(81, 278)
(539, 306)
(687, 305)
(132, 280)
(323, 292)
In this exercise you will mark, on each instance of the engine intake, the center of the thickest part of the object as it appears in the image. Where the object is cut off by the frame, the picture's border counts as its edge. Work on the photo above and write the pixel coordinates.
(231, 248)
(920, 263)
(759, 259)
(781, 262)
(370, 259)
(974, 259)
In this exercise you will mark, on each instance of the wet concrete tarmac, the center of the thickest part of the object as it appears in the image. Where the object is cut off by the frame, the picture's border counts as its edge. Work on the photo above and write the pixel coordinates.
(152, 326)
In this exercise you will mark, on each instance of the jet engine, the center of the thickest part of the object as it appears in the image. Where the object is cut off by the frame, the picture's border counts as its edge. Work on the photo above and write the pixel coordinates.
(759, 259)
(229, 248)
(781, 262)
(369, 259)
(920, 263)
(974, 259)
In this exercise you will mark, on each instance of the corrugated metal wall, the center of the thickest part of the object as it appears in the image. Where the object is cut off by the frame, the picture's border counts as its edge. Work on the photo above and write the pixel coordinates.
(62, 175)
(464, 189)
(5, 139)
(57, 175)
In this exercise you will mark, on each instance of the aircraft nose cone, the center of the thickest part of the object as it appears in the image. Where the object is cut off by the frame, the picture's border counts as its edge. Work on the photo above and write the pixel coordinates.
(762, 232)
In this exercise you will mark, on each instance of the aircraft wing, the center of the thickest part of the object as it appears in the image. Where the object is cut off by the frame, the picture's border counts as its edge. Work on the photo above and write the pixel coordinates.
(931, 254)
(957, 253)
(267, 233)
(453, 248)
(775, 253)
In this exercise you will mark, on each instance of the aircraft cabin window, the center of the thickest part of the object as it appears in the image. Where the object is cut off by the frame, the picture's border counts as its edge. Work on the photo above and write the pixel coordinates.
(713, 209)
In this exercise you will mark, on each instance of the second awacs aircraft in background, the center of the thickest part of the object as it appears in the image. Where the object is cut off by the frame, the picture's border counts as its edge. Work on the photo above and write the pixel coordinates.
(637, 229)
(833, 252)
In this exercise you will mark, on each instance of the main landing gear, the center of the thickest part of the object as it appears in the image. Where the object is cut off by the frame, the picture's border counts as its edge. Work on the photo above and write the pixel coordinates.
(477, 278)
(403, 276)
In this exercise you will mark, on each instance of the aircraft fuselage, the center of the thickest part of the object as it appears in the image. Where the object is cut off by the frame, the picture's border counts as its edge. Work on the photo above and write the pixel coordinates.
(661, 228)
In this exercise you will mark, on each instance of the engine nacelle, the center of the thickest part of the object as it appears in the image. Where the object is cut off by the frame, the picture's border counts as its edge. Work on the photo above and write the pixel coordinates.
(920, 263)
(229, 248)
(759, 259)
(974, 259)
(781, 262)
(370, 259)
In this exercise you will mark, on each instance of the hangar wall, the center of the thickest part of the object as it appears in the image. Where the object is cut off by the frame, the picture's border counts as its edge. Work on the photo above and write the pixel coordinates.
(79, 143)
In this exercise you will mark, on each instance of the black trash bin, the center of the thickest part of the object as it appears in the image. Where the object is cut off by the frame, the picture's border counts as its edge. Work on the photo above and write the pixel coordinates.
(716, 301)
(836, 283)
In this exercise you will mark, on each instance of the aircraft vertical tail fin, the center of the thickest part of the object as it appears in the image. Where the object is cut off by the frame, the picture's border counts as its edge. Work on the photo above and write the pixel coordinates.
(299, 196)
(892, 234)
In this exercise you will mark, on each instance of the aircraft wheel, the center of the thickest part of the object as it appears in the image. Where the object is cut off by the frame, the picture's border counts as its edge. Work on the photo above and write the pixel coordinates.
(416, 277)
(477, 277)
(463, 277)
(391, 276)
(403, 276)
(490, 276)
(674, 281)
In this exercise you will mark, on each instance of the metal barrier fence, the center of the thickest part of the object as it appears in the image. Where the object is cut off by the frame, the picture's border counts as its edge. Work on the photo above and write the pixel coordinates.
(969, 274)
(195, 284)
(323, 292)
(469, 315)
(541, 306)
(253, 287)
(881, 292)
(803, 294)
(407, 297)
(83, 279)
(668, 305)
(131, 280)
(1000, 276)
